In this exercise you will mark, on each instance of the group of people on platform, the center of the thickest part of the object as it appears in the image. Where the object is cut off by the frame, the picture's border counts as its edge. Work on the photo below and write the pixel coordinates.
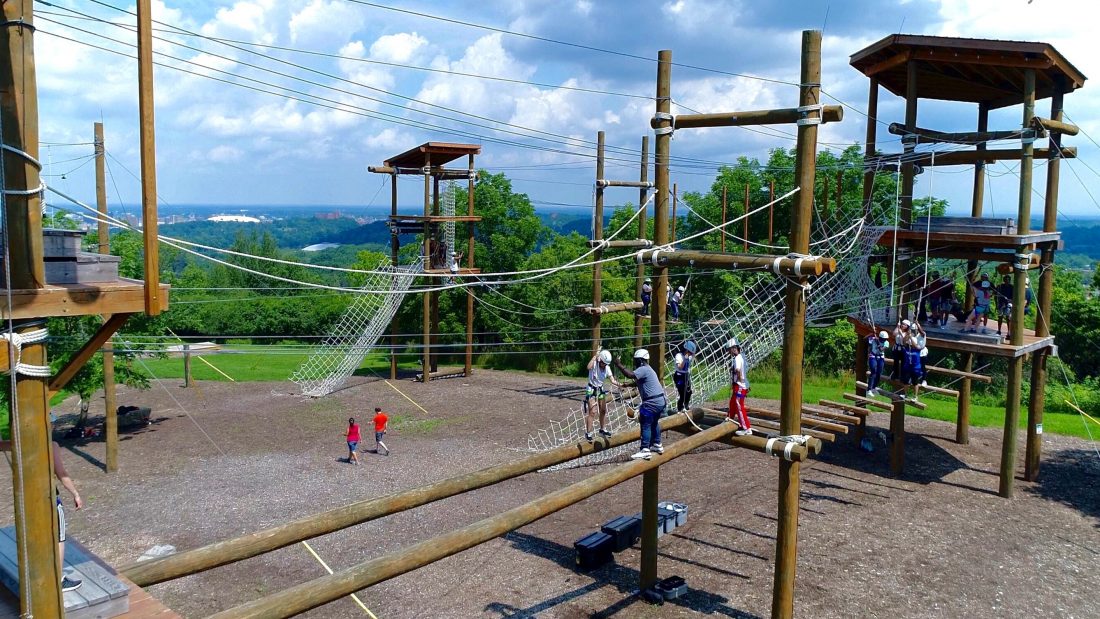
(675, 298)
(651, 391)
(909, 348)
(937, 302)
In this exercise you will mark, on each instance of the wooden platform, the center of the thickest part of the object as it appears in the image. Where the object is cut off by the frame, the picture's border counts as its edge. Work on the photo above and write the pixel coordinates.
(968, 245)
(123, 296)
(104, 594)
(951, 338)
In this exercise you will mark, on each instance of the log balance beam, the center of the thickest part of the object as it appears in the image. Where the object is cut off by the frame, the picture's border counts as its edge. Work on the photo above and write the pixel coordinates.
(782, 116)
(319, 591)
(607, 308)
(956, 373)
(780, 265)
(951, 393)
(867, 401)
(714, 417)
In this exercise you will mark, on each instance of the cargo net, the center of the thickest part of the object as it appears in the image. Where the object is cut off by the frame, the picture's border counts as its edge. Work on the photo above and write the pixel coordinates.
(755, 318)
(449, 225)
(355, 335)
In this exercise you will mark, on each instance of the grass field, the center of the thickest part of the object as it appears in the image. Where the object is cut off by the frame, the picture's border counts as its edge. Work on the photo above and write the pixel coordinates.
(279, 366)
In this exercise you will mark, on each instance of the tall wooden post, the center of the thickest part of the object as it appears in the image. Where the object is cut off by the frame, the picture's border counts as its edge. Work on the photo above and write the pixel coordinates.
(426, 354)
(771, 211)
(1045, 298)
(110, 408)
(148, 158)
(674, 204)
(722, 232)
(440, 249)
(597, 235)
(794, 330)
(1016, 365)
(186, 365)
(662, 145)
(470, 264)
(642, 225)
(908, 174)
(395, 249)
(32, 465)
(962, 422)
(745, 222)
(869, 145)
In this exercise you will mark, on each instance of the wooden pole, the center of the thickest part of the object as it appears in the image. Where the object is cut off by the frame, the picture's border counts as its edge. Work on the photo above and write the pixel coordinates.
(188, 562)
(794, 330)
(1016, 364)
(784, 116)
(32, 464)
(309, 595)
(186, 365)
(771, 211)
(426, 354)
(395, 250)
(597, 235)
(643, 177)
(708, 259)
(722, 232)
(745, 222)
(675, 202)
(869, 144)
(1035, 405)
(148, 158)
(861, 370)
(662, 146)
(110, 407)
(440, 249)
(962, 422)
(908, 174)
(470, 190)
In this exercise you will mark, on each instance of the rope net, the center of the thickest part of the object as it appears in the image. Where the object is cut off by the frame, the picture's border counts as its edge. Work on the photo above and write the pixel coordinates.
(357, 332)
(755, 318)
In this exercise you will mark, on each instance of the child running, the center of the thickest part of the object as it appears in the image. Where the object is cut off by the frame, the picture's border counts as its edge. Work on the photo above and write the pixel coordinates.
(653, 403)
(599, 370)
(352, 437)
(380, 421)
(739, 388)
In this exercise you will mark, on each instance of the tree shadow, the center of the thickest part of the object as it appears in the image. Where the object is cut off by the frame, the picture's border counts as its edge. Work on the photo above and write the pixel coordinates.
(561, 392)
(624, 579)
(1072, 478)
(925, 461)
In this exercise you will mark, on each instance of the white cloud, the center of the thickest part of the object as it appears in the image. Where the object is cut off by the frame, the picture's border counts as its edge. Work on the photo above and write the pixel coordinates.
(225, 154)
(247, 19)
(319, 23)
(401, 47)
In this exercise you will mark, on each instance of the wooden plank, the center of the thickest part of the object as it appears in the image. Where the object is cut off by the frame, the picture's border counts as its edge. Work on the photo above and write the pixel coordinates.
(896, 395)
(94, 573)
(125, 296)
(863, 412)
(929, 388)
(771, 425)
(806, 421)
(951, 372)
(867, 402)
(825, 413)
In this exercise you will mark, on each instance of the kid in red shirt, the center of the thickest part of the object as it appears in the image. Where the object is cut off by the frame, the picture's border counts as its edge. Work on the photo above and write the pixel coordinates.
(352, 437)
(380, 420)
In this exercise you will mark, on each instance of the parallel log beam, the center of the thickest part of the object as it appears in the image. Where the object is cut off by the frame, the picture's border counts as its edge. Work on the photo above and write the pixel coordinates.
(91, 347)
(809, 422)
(825, 413)
(603, 182)
(898, 383)
(607, 308)
(309, 595)
(830, 114)
(628, 243)
(967, 157)
(440, 173)
(713, 417)
(1054, 125)
(863, 412)
(780, 265)
(229, 551)
(930, 136)
(774, 425)
(868, 402)
(929, 388)
(935, 369)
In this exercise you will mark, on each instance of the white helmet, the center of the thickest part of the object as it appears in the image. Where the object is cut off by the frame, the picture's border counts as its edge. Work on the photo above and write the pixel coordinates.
(732, 343)
(642, 354)
(906, 323)
(605, 356)
(884, 335)
(680, 289)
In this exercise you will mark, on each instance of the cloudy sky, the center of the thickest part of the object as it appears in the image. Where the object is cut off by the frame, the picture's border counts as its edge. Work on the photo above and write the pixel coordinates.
(289, 102)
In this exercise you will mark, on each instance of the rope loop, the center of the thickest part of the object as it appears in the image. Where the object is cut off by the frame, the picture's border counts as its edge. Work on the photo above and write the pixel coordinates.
(24, 154)
(18, 341)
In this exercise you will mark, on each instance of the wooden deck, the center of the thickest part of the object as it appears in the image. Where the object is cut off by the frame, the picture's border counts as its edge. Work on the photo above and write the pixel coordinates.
(950, 338)
(124, 296)
(968, 246)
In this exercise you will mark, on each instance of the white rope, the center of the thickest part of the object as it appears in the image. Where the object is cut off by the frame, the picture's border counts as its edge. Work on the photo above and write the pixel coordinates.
(897, 218)
(17, 341)
(928, 228)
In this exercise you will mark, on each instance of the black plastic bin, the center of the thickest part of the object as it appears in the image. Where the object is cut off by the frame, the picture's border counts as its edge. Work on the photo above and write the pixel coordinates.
(593, 550)
(624, 531)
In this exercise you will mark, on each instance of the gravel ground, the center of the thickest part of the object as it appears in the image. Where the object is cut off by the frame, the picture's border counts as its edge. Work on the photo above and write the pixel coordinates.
(223, 459)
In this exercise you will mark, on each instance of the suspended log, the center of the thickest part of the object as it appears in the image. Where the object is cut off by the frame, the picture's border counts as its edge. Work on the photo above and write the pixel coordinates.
(300, 598)
(967, 157)
(868, 402)
(829, 114)
(630, 243)
(950, 372)
(715, 417)
(1064, 128)
(899, 395)
(780, 265)
(825, 413)
(817, 424)
(607, 308)
(221, 553)
(773, 425)
(929, 388)
(929, 136)
(440, 173)
(862, 412)
(603, 182)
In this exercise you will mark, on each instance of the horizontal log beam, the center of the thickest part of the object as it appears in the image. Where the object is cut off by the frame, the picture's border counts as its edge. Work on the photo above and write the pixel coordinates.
(863, 412)
(935, 369)
(607, 308)
(308, 595)
(829, 114)
(966, 157)
(628, 243)
(780, 265)
(151, 572)
(833, 415)
(440, 173)
(807, 421)
(929, 388)
(868, 402)
(1054, 125)
(896, 395)
(715, 417)
(930, 136)
(603, 182)
(90, 348)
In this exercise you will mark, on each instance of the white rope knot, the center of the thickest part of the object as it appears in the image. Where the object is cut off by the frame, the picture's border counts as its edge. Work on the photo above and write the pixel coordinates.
(18, 341)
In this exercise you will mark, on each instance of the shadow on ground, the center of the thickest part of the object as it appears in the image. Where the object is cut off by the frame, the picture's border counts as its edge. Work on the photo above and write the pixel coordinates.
(925, 461)
(623, 578)
(1072, 478)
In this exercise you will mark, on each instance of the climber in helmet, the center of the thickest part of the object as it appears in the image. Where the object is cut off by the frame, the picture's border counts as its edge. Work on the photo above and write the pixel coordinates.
(739, 388)
(647, 295)
(674, 302)
(681, 376)
(877, 345)
(599, 370)
(653, 403)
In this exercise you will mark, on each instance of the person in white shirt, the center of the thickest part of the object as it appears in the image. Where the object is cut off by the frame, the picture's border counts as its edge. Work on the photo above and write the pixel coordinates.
(739, 388)
(599, 370)
(647, 295)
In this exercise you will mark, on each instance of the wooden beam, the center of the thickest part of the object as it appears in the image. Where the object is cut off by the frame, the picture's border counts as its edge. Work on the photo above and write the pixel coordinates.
(772, 425)
(885, 65)
(597, 255)
(930, 136)
(935, 369)
(898, 383)
(984, 58)
(868, 402)
(897, 435)
(1054, 126)
(300, 598)
(825, 413)
(820, 424)
(603, 182)
(846, 407)
(929, 388)
(968, 157)
(622, 243)
(639, 273)
(91, 347)
(780, 265)
(439, 173)
(148, 158)
(786, 116)
(607, 308)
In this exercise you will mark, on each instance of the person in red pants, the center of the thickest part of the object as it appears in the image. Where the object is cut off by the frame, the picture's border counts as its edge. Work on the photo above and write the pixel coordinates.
(739, 387)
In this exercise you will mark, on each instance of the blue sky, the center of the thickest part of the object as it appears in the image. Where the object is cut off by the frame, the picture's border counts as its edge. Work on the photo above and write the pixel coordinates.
(221, 143)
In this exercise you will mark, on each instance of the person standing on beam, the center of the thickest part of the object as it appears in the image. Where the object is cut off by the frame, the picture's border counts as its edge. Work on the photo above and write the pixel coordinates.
(595, 395)
(739, 388)
(682, 374)
(653, 403)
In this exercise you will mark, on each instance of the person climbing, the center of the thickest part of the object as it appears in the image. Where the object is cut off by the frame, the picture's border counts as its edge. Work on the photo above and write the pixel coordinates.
(1003, 298)
(919, 339)
(380, 421)
(1029, 296)
(901, 335)
(653, 403)
(682, 374)
(674, 302)
(352, 437)
(876, 359)
(912, 372)
(599, 370)
(647, 295)
(456, 260)
(739, 388)
(983, 295)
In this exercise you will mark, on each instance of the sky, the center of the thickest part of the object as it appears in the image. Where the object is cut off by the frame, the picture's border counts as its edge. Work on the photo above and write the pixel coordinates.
(348, 87)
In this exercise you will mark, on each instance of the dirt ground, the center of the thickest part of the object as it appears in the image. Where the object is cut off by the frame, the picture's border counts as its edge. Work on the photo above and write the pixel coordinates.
(223, 459)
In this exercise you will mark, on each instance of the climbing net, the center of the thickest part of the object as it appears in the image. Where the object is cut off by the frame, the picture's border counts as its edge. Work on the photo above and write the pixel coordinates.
(755, 318)
(339, 355)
